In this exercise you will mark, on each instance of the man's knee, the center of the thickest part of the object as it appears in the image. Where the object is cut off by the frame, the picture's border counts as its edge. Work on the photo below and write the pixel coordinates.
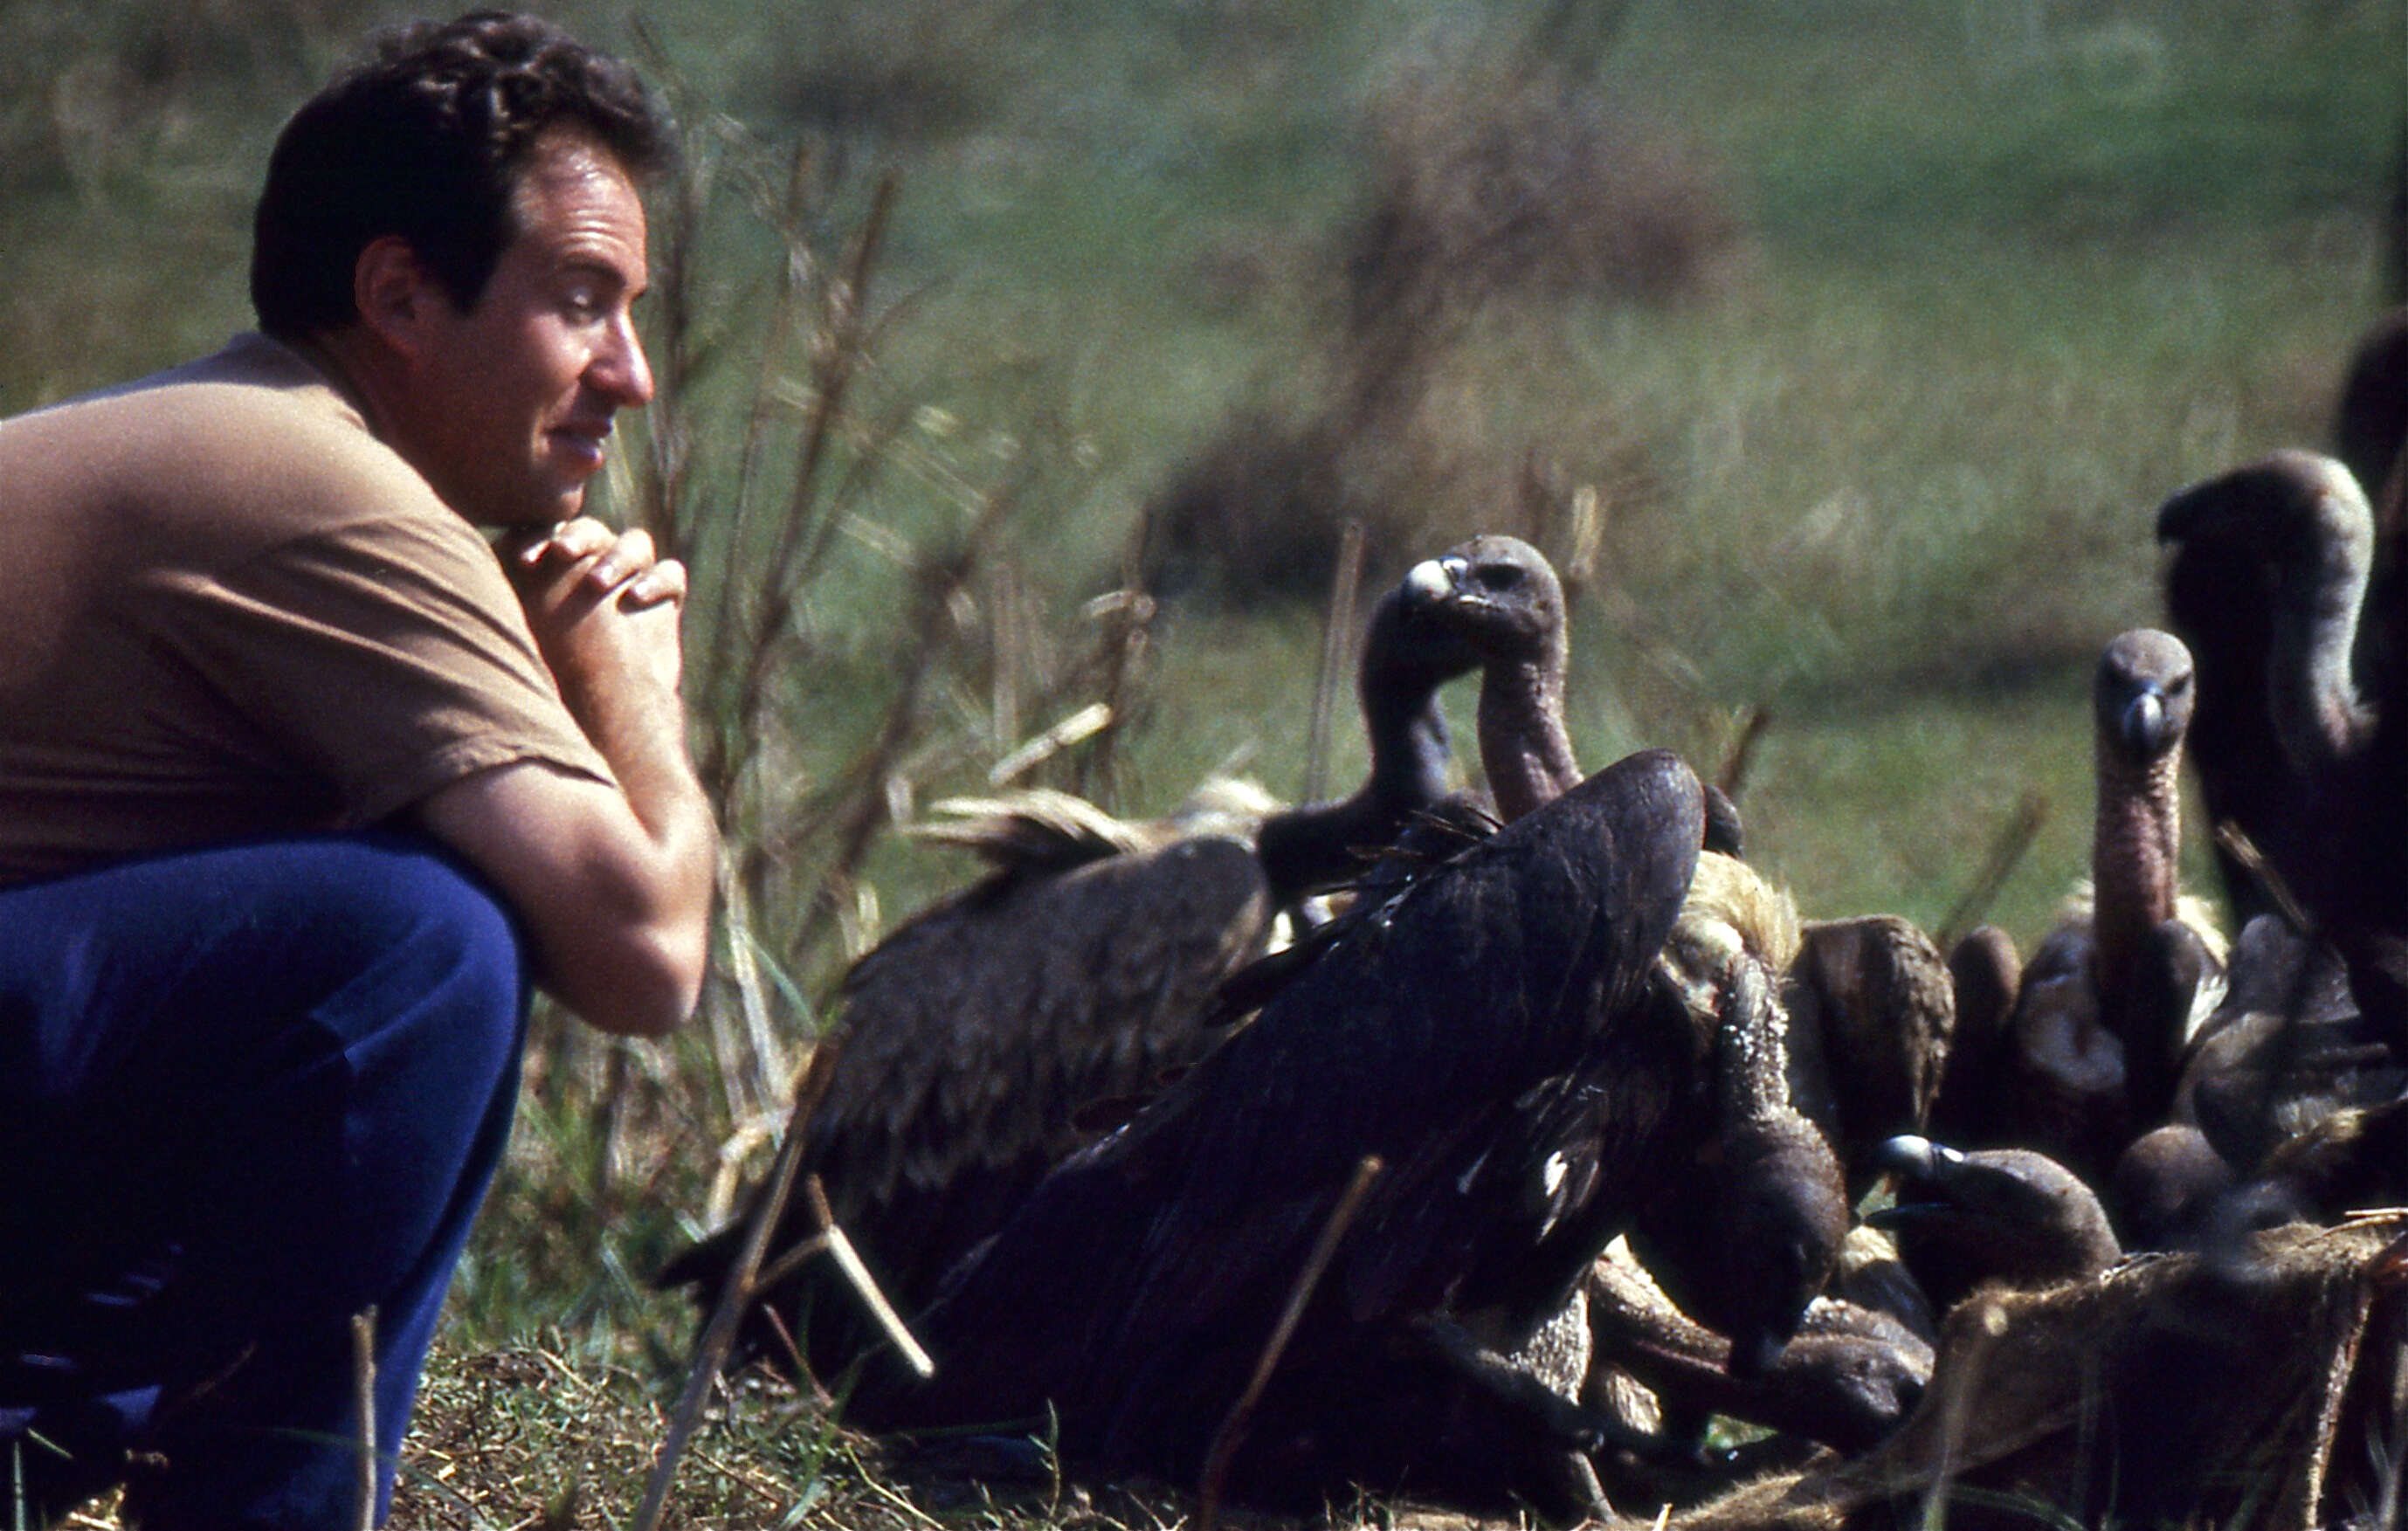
(378, 904)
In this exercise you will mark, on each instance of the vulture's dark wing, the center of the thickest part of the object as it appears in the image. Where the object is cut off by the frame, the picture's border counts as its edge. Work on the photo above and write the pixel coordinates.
(1137, 1286)
(2220, 601)
(973, 1035)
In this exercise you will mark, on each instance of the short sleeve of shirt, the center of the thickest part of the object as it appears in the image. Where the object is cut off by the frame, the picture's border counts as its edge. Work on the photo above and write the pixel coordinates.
(387, 657)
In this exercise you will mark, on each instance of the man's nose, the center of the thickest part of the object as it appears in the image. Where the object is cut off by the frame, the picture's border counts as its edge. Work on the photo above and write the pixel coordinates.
(618, 369)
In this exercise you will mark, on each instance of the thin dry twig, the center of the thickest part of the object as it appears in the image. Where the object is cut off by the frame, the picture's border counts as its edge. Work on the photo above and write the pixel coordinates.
(2237, 844)
(1337, 643)
(363, 1392)
(831, 1240)
(941, 579)
(849, 1262)
(1126, 625)
(847, 305)
(1730, 774)
(736, 1292)
(1226, 1438)
(752, 626)
(2015, 837)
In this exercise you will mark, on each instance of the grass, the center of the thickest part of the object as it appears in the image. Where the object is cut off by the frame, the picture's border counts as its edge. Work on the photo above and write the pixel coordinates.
(1997, 291)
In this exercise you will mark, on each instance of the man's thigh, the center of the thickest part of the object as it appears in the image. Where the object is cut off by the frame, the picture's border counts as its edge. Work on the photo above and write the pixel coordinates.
(243, 1089)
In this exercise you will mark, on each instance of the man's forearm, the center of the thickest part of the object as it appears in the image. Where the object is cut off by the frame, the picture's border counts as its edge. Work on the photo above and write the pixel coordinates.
(639, 726)
(641, 875)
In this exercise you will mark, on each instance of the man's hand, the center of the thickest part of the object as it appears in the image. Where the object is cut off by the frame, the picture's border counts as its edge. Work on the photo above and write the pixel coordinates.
(603, 606)
(615, 885)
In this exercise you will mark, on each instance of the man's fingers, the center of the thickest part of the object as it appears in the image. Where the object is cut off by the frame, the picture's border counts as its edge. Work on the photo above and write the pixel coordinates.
(663, 581)
(568, 542)
(630, 554)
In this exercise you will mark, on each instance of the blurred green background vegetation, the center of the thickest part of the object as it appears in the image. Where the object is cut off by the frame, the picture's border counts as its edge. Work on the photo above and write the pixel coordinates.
(1842, 349)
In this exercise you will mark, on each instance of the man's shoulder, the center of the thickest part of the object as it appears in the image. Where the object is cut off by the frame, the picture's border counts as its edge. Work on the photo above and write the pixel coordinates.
(253, 436)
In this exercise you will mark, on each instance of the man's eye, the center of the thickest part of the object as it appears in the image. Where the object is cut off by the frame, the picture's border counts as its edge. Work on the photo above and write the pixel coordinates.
(583, 302)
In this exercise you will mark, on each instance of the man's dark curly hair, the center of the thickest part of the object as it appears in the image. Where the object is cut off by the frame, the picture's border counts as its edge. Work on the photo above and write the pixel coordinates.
(425, 138)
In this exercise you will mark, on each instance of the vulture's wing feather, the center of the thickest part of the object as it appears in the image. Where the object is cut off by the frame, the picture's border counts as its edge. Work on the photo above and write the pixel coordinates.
(972, 1038)
(1135, 1288)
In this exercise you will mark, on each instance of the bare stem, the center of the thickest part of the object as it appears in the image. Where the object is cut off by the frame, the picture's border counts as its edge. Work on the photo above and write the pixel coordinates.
(1226, 1438)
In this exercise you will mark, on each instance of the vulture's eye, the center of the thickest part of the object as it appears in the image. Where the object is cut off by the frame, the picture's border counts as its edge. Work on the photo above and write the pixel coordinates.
(1499, 577)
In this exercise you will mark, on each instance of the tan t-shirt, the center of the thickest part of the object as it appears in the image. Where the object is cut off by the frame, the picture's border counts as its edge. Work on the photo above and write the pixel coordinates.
(227, 610)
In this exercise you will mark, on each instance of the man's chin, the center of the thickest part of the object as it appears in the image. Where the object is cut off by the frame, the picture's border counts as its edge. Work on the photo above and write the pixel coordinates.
(533, 511)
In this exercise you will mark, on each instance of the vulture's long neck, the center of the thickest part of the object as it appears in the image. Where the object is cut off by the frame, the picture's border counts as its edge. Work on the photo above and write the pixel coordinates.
(2135, 851)
(2312, 693)
(1522, 745)
(1410, 744)
(1308, 848)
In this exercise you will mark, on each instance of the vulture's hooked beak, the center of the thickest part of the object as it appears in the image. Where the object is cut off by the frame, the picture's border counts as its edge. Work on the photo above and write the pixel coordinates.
(2146, 725)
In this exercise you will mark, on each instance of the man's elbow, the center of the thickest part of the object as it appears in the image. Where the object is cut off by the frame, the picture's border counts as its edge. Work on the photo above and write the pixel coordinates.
(650, 990)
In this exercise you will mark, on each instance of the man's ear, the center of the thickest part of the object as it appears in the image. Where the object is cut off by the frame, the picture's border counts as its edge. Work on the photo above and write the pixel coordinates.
(394, 292)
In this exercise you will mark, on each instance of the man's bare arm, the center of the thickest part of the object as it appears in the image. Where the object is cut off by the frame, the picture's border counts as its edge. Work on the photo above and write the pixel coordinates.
(614, 885)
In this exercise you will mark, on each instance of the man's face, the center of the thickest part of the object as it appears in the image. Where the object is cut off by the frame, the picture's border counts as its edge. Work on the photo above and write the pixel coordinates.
(515, 396)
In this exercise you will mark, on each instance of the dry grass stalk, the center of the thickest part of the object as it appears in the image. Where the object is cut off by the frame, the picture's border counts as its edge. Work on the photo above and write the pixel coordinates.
(849, 1262)
(1959, 1387)
(736, 1292)
(1224, 1448)
(840, 347)
(1337, 647)
(1125, 632)
(1007, 631)
(752, 637)
(364, 1394)
(862, 791)
(1730, 774)
(1079, 727)
(2237, 844)
(2164, 1391)
(2007, 850)
(792, 274)
(770, 1069)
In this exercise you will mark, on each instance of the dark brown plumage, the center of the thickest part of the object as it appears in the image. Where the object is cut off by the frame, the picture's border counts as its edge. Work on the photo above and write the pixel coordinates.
(1984, 975)
(2370, 418)
(2313, 621)
(2287, 1044)
(2266, 583)
(1772, 1184)
(1080, 971)
(2011, 1216)
(2349, 1159)
(1847, 1379)
(1444, 1031)
(2165, 1186)
(1509, 1030)
(1766, 1181)
(1872, 1014)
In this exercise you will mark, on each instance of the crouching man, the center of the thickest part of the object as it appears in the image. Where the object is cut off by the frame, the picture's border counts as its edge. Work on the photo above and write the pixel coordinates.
(302, 781)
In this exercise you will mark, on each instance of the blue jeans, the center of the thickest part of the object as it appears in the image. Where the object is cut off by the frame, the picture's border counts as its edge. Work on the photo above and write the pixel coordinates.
(244, 1093)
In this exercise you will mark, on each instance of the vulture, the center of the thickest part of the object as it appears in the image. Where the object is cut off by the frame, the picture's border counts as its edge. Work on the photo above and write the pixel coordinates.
(1515, 1033)
(2285, 1053)
(2089, 1052)
(1497, 1034)
(1872, 1016)
(2009, 1216)
(1846, 1381)
(975, 1037)
(2266, 578)
(2371, 420)
(2320, 780)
